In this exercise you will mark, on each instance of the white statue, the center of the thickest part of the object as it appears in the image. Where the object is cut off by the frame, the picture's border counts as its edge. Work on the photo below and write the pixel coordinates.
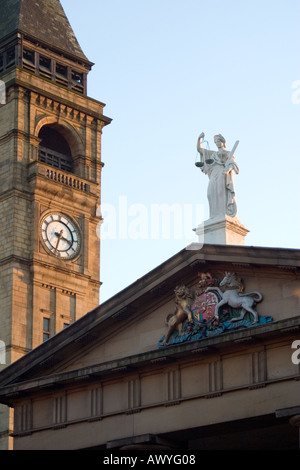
(219, 166)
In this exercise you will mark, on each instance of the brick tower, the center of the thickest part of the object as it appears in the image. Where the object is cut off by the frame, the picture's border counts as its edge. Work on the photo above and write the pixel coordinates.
(50, 179)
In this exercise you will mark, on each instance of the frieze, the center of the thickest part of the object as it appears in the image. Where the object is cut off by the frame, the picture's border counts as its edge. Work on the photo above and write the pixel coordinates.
(213, 308)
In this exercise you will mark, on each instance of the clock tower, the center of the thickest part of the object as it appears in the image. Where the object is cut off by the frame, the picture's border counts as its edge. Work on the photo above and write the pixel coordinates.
(50, 177)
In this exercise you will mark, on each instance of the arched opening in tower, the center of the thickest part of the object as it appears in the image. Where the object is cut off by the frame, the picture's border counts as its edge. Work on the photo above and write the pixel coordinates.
(54, 150)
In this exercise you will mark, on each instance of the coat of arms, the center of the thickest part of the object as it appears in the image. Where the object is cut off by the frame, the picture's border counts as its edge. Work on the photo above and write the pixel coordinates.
(204, 306)
(209, 310)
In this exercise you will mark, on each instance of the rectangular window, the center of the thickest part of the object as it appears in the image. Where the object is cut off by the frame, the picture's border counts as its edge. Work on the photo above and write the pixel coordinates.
(10, 57)
(46, 336)
(62, 70)
(46, 328)
(28, 56)
(77, 81)
(77, 77)
(62, 74)
(45, 63)
(29, 59)
(45, 66)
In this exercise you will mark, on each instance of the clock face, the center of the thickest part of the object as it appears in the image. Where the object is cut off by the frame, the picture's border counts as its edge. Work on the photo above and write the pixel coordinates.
(60, 235)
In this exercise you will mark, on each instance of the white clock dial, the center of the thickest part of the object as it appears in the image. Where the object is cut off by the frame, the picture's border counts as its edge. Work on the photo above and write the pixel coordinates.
(60, 235)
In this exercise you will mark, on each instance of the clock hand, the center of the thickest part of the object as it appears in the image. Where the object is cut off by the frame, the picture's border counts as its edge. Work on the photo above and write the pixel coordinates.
(66, 240)
(59, 235)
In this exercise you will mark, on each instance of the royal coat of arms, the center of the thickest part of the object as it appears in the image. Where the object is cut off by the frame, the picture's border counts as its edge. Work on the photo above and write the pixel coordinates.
(204, 306)
(211, 309)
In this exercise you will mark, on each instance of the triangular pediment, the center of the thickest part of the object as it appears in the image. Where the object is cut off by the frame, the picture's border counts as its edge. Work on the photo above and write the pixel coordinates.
(129, 328)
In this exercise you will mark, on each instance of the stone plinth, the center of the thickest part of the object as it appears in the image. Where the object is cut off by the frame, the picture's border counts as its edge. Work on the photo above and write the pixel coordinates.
(225, 230)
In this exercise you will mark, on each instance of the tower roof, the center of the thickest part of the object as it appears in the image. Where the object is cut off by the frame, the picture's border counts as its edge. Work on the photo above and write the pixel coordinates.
(42, 20)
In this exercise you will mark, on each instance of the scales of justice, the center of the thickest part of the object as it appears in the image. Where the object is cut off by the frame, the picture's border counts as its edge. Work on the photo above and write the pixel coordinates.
(223, 226)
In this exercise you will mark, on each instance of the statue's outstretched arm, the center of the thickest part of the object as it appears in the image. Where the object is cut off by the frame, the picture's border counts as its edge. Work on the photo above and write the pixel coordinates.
(199, 142)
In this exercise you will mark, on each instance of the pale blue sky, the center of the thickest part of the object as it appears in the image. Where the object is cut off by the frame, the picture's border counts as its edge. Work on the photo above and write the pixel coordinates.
(168, 70)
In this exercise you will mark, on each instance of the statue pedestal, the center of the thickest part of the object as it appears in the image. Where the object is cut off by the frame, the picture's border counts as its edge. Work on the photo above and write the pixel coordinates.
(225, 230)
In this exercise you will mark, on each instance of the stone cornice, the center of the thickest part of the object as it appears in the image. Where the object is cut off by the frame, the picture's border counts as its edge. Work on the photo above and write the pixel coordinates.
(82, 104)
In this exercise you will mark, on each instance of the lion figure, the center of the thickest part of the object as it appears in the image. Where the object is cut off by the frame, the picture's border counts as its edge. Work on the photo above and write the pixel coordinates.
(183, 299)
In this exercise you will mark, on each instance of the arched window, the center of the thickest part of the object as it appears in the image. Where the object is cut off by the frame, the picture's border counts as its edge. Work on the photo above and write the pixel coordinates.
(54, 149)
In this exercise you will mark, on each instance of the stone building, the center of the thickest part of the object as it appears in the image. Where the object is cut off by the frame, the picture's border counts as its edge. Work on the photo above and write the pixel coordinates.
(200, 353)
(50, 181)
(109, 382)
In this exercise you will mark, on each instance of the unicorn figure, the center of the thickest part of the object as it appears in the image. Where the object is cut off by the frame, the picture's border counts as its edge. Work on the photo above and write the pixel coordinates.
(234, 297)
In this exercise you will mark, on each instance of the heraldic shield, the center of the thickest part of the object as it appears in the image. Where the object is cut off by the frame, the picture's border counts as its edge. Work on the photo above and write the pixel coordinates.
(204, 306)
